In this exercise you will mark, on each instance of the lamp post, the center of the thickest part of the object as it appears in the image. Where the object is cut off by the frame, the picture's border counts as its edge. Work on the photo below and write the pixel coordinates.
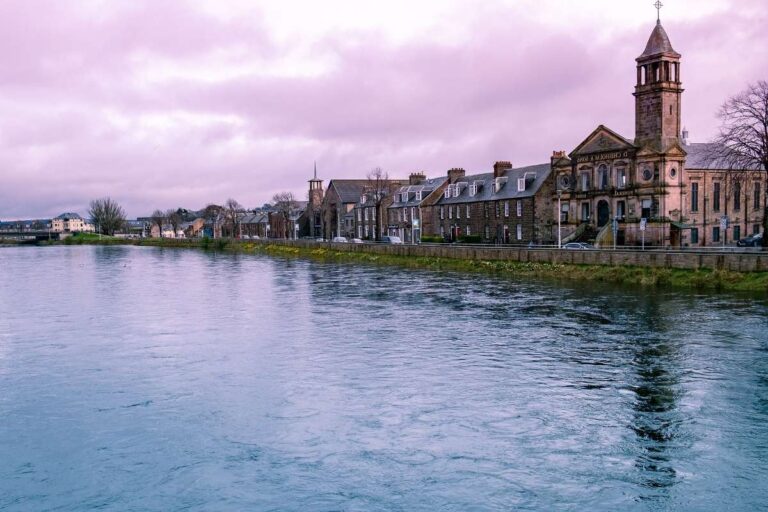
(559, 219)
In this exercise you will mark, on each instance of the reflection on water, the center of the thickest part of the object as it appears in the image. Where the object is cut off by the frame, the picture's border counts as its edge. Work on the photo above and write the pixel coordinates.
(169, 379)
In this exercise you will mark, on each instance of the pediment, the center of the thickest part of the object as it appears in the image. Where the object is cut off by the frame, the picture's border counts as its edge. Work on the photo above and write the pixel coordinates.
(603, 140)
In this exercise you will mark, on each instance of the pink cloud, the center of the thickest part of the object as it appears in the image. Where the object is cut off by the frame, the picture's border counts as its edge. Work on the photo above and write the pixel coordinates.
(79, 119)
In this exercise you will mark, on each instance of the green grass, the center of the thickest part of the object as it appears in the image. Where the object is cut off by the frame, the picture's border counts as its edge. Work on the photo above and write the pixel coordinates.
(711, 280)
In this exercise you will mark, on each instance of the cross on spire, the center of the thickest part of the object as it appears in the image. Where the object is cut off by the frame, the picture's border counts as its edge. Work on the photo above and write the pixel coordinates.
(658, 6)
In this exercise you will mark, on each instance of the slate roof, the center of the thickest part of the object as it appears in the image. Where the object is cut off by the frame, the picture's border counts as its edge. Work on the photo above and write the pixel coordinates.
(349, 191)
(658, 43)
(536, 173)
(426, 188)
(697, 157)
(69, 216)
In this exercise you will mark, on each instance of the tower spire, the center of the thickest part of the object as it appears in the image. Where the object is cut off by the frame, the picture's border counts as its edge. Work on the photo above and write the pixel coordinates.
(658, 6)
(315, 169)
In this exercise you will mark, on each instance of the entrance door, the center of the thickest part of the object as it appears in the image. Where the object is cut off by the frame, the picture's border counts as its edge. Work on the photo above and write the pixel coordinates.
(603, 213)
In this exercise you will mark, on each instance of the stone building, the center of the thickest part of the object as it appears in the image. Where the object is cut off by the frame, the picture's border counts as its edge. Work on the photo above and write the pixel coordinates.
(648, 184)
(506, 206)
(370, 215)
(405, 214)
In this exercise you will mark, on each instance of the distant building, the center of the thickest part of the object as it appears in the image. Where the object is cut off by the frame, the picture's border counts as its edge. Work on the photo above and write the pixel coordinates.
(71, 223)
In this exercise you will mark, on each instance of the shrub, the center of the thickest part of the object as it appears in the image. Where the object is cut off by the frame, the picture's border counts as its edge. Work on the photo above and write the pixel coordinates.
(470, 239)
(428, 239)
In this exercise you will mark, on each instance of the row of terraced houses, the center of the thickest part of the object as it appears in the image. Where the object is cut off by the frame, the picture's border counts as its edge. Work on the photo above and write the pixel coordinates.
(657, 189)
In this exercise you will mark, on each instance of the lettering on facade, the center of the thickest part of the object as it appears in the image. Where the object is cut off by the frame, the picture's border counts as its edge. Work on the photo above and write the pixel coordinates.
(599, 157)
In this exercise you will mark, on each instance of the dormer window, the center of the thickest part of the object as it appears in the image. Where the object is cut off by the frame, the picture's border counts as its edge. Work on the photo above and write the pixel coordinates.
(473, 189)
(447, 193)
(362, 200)
(498, 184)
(521, 184)
(418, 195)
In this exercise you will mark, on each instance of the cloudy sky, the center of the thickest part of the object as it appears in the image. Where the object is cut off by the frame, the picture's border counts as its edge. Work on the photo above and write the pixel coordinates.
(166, 103)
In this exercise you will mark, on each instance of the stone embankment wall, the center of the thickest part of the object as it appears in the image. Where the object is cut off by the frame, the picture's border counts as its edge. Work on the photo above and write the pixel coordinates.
(733, 261)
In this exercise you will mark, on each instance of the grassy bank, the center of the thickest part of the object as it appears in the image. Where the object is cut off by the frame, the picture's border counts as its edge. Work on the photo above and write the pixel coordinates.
(637, 276)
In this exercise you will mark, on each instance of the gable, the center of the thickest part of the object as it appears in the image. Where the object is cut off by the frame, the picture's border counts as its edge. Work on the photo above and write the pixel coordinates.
(603, 140)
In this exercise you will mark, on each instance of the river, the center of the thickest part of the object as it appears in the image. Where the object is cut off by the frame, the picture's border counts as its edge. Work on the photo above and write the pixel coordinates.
(136, 378)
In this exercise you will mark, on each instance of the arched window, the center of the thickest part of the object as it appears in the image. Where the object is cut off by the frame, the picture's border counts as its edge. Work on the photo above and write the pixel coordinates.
(602, 176)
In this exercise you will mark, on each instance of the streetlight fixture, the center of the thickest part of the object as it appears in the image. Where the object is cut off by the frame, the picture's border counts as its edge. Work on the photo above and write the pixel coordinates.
(559, 219)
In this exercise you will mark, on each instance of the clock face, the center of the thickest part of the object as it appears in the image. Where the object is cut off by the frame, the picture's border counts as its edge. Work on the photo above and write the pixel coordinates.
(647, 174)
(565, 181)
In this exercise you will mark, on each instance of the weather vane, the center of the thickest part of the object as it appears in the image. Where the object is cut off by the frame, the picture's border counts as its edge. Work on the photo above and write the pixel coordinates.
(658, 6)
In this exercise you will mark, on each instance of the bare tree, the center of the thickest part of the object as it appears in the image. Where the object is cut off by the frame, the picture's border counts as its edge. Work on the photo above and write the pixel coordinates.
(158, 219)
(107, 215)
(377, 189)
(232, 212)
(175, 219)
(742, 144)
(285, 205)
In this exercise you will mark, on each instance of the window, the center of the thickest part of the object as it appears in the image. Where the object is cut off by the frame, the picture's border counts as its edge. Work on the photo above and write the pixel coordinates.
(716, 197)
(450, 212)
(469, 230)
(519, 208)
(473, 189)
(621, 178)
(584, 212)
(736, 232)
(413, 212)
(756, 199)
(359, 215)
(755, 229)
(621, 209)
(564, 212)
(646, 207)
(486, 213)
(366, 214)
(458, 211)
(584, 181)
(506, 208)
(447, 193)
(736, 197)
(468, 210)
(366, 231)
(373, 213)
(442, 231)
(694, 197)
(418, 195)
(519, 232)
(716, 234)
(487, 232)
(442, 212)
(521, 184)
(603, 177)
(694, 235)
(498, 209)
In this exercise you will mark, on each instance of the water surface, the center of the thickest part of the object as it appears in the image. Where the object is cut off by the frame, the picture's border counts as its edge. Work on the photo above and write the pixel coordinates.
(152, 379)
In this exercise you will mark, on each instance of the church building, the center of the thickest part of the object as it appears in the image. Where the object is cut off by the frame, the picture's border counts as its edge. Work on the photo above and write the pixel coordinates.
(645, 190)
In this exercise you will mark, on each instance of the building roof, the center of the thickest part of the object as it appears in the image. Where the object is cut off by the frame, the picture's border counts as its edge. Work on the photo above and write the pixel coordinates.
(426, 187)
(349, 191)
(658, 43)
(535, 176)
(69, 216)
(700, 157)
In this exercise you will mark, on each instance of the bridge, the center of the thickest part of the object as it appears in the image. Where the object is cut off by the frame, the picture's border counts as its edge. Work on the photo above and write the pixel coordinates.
(30, 236)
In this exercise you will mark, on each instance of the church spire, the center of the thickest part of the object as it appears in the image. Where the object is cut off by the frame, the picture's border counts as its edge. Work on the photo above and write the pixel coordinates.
(658, 6)
(315, 169)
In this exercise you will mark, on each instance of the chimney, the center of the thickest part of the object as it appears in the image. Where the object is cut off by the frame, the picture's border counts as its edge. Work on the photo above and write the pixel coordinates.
(557, 155)
(500, 167)
(416, 178)
(454, 174)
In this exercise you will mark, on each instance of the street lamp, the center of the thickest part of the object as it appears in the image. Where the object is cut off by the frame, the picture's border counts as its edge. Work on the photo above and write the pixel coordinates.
(559, 219)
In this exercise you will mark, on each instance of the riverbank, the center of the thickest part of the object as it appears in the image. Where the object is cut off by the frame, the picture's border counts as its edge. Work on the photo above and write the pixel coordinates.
(699, 279)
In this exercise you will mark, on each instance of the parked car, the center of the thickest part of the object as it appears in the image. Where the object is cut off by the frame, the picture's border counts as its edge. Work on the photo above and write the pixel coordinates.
(391, 240)
(755, 240)
(578, 246)
(339, 240)
(356, 241)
